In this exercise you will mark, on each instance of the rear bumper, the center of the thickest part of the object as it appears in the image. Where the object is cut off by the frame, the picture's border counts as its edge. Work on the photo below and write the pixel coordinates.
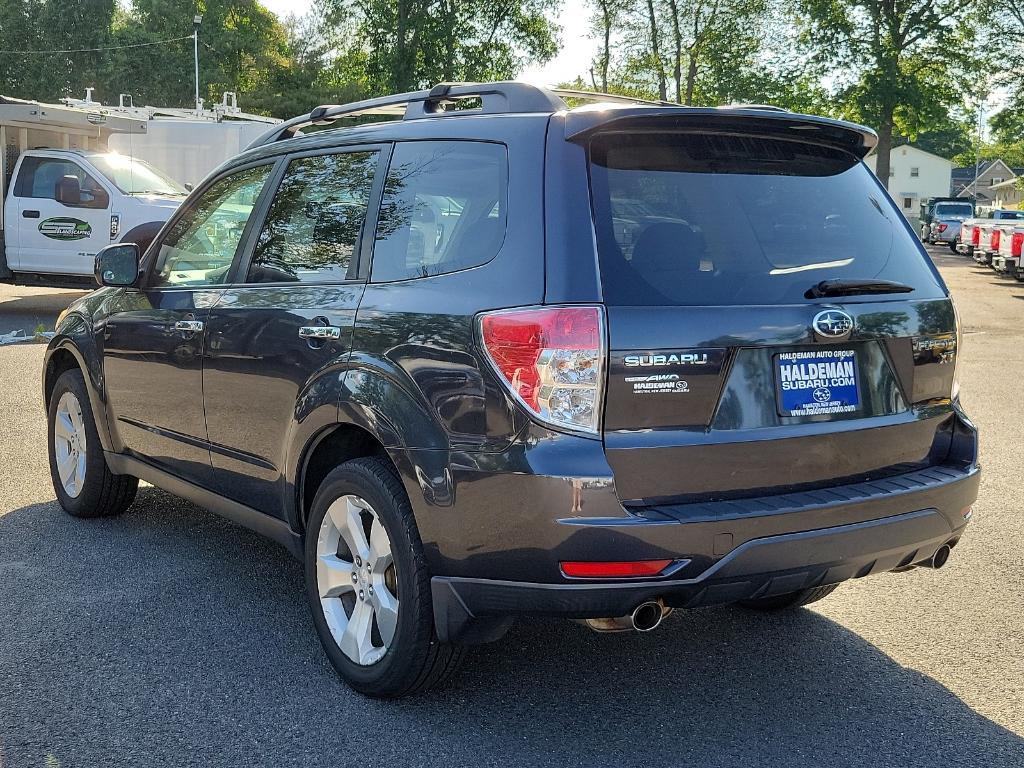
(760, 568)
(1006, 264)
(474, 609)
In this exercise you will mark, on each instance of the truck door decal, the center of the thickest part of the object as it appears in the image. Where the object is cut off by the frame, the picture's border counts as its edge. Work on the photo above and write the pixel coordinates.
(65, 228)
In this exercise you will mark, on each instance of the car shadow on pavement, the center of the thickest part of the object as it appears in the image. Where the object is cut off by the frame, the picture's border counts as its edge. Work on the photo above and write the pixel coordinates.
(170, 636)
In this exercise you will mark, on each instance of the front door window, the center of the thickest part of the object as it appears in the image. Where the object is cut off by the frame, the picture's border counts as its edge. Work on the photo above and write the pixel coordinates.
(200, 247)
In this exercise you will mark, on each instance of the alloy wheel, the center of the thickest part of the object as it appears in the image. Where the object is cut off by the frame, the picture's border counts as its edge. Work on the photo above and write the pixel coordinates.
(69, 444)
(356, 580)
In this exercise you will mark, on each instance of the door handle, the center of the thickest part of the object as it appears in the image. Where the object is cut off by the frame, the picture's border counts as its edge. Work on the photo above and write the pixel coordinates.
(189, 326)
(30, 214)
(319, 332)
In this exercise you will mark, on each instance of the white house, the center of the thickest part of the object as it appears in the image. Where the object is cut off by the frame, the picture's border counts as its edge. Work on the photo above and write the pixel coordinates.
(914, 176)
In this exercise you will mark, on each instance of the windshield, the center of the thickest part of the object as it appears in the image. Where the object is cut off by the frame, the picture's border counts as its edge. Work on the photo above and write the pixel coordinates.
(715, 219)
(1010, 215)
(966, 210)
(135, 177)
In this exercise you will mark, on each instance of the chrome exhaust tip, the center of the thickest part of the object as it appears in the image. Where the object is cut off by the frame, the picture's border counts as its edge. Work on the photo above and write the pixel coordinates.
(647, 616)
(644, 618)
(941, 557)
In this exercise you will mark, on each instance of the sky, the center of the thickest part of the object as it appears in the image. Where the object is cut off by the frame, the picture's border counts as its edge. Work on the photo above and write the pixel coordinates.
(574, 58)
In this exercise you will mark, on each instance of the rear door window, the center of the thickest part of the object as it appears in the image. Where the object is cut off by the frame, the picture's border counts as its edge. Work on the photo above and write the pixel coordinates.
(443, 209)
(714, 219)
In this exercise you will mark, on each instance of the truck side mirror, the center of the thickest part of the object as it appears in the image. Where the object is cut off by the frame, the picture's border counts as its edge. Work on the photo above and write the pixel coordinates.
(69, 191)
(117, 265)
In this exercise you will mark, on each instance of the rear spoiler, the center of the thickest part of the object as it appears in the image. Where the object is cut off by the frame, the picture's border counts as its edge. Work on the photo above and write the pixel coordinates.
(581, 124)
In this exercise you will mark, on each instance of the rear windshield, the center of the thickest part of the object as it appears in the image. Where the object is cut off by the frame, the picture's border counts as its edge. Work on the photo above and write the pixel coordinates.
(715, 219)
(954, 209)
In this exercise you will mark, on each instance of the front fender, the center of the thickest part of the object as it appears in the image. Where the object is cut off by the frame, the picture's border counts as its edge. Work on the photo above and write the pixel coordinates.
(75, 337)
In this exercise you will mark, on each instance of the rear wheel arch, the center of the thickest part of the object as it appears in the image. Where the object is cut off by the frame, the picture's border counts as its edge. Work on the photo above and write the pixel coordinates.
(329, 449)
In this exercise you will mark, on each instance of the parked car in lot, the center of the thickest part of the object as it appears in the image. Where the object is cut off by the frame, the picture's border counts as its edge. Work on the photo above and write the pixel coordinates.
(748, 394)
(941, 218)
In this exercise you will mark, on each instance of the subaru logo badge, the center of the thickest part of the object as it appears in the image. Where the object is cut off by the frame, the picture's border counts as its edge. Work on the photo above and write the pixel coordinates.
(832, 324)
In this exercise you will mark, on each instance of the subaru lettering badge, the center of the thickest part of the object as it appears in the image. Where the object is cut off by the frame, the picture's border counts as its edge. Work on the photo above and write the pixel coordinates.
(832, 324)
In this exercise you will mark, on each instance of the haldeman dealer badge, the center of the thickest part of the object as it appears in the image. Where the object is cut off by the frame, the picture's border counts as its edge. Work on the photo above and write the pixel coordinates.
(65, 228)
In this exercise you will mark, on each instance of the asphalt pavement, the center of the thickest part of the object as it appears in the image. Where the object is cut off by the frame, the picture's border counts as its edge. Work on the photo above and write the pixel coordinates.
(169, 637)
(25, 309)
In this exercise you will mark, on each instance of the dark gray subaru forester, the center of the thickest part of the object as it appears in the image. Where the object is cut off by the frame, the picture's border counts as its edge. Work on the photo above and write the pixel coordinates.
(497, 357)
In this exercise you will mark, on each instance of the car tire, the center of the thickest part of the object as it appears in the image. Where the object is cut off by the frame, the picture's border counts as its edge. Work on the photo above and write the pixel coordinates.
(83, 482)
(953, 245)
(790, 599)
(385, 576)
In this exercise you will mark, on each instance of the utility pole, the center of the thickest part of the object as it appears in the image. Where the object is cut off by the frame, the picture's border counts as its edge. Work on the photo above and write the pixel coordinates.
(196, 22)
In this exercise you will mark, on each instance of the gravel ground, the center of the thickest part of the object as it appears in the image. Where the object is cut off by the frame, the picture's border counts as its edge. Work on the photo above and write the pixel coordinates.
(171, 637)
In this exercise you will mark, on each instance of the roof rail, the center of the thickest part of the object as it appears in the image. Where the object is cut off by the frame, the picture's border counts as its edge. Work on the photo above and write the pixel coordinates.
(608, 98)
(765, 107)
(495, 98)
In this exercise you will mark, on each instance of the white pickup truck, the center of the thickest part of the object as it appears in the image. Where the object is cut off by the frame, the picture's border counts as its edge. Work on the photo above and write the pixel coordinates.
(64, 194)
(62, 206)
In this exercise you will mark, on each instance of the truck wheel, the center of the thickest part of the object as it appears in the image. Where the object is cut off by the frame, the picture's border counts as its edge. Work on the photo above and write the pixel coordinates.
(789, 599)
(953, 245)
(369, 587)
(84, 484)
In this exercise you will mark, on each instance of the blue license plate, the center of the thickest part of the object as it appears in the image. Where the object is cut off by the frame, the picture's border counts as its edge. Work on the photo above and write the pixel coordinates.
(816, 383)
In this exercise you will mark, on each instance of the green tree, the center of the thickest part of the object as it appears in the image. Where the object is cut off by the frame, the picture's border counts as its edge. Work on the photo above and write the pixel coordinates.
(242, 46)
(703, 52)
(44, 26)
(410, 44)
(904, 60)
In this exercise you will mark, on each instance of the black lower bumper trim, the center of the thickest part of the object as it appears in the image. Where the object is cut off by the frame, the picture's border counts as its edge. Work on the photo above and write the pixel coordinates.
(760, 568)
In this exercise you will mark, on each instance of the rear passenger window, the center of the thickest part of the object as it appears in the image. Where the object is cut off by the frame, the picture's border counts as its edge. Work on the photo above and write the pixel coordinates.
(443, 209)
(314, 223)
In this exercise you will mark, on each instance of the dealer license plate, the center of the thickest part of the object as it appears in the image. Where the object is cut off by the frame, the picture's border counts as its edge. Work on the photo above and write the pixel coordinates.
(817, 382)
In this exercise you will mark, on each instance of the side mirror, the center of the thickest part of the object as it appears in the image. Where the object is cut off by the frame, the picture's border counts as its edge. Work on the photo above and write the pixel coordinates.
(117, 265)
(189, 186)
(69, 191)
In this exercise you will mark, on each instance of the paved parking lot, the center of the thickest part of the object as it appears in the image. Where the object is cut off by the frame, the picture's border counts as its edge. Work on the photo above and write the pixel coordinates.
(25, 309)
(171, 637)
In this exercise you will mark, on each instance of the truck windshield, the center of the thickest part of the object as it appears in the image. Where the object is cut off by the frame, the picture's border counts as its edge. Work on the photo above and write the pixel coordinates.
(965, 210)
(135, 177)
(716, 219)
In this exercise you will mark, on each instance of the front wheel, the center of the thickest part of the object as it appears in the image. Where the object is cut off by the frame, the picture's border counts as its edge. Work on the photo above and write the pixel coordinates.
(83, 482)
(790, 599)
(368, 584)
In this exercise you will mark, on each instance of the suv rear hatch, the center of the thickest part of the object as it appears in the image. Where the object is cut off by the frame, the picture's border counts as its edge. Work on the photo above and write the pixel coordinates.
(773, 323)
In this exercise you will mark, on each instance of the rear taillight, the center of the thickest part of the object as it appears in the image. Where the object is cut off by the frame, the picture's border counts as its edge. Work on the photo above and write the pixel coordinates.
(976, 236)
(1017, 244)
(552, 360)
(994, 238)
(942, 227)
